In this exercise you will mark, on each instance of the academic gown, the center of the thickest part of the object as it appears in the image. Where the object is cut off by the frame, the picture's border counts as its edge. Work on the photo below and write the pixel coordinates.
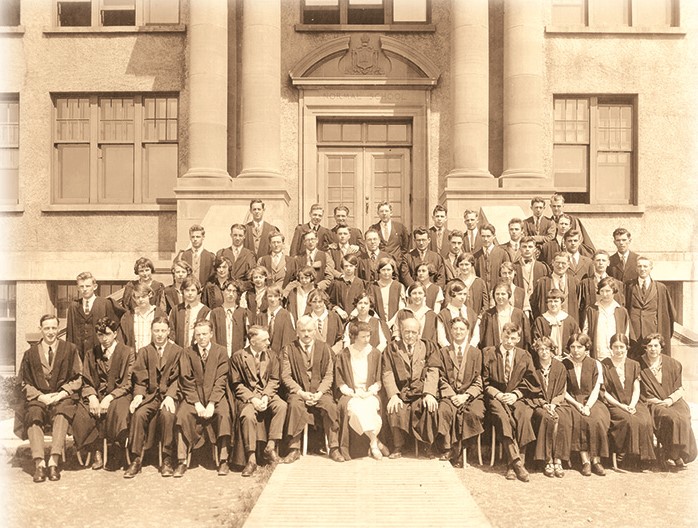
(653, 312)
(490, 331)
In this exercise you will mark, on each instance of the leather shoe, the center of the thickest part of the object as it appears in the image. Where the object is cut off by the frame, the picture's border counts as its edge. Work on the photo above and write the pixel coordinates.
(558, 471)
(271, 456)
(167, 470)
(445, 456)
(679, 463)
(223, 469)
(133, 469)
(335, 455)
(180, 470)
(395, 454)
(249, 469)
(292, 456)
(520, 471)
(510, 475)
(598, 469)
(97, 461)
(549, 470)
(54, 473)
(40, 474)
(586, 469)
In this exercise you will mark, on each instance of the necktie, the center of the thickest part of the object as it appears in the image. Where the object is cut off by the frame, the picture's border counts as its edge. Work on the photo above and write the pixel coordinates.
(195, 263)
(308, 361)
(384, 231)
(373, 257)
(410, 350)
(623, 260)
(236, 252)
(459, 355)
(275, 259)
(86, 306)
(320, 326)
(471, 241)
(644, 288)
(537, 223)
(271, 324)
(204, 354)
(439, 238)
(507, 367)
(160, 352)
(50, 356)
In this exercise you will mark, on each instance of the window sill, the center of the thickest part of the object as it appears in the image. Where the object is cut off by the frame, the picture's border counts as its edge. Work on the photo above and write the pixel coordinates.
(590, 210)
(393, 28)
(174, 28)
(109, 208)
(599, 30)
(11, 208)
(11, 30)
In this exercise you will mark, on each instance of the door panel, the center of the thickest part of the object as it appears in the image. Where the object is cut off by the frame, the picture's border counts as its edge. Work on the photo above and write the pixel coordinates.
(361, 178)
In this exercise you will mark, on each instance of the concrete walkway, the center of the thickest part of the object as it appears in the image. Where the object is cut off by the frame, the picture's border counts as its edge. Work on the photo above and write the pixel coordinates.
(366, 492)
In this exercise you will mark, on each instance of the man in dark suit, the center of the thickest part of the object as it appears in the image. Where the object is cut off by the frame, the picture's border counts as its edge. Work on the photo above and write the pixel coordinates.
(540, 227)
(580, 265)
(623, 264)
(241, 258)
(438, 234)
(557, 244)
(324, 236)
(51, 376)
(255, 375)
(472, 241)
(257, 230)
(103, 411)
(411, 386)
(370, 258)
(509, 379)
(395, 237)
(356, 238)
(557, 203)
(421, 254)
(489, 257)
(589, 285)
(455, 242)
(650, 308)
(282, 268)
(200, 259)
(84, 313)
(155, 397)
(307, 374)
(561, 279)
(528, 270)
(320, 261)
(203, 379)
(516, 233)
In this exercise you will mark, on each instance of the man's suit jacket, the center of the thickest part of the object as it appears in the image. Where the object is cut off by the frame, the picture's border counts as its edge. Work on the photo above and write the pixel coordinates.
(263, 248)
(653, 312)
(398, 242)
(325, 237)
(205, 263)
(522, 379)
(219, 319)
(585, 268)
(368, 268)
(587, 296)
(80, 327)
(549, 250)
(475, 246)
(323, 273)
(525, 282)
(458, 379)
(487, 266)
(294, 374)
(412, 260)
(282, 274)
(248, 380)
(545, 231)
(154, 378)
(587, 248)
(450, 267)
(514, 254)
(118, 382)
(178, 318)
(623, 273)
(409, 378)
(282, 332)
(356, 238)
(445, 244)
(241, 265)
(540, 294)
(203, 383)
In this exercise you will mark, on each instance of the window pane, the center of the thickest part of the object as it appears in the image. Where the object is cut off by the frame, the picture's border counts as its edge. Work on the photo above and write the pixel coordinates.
(161, 11)
(366, 12)
(377, 132)
(654, 13)
(74, 14)
(571, 121)
(613, 13)
(72, 119)
(9, 13)
(73, 173)
(568, 13)
(9, 175)
(570, 168)
(116, 174)
(116, 119)
(330, 132)
(8, 336)
(159, 171)
(409, 10)
(321, 12)
(613, 173)
(351, 132)
(398, 133)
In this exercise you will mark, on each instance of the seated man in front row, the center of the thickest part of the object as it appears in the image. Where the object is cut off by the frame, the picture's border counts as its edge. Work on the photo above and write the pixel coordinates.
(203, 379)
(411, 385)
(51, 375)
(509, 376)
(156, 377)
(255, 376)
(307, 374)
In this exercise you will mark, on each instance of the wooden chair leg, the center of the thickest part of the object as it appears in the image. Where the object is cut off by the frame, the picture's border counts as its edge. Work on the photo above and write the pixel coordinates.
(160, 453)
(215, 454)
(494, 445)
(305, 440)
(105, 453)
(479, 448)
(189, 458)
(465, 457)
(614, 459)
(416, 448)
(128, 454)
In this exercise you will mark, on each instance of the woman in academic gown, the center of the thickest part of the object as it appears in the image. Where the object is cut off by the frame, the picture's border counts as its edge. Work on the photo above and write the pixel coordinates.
(662, 390)
(555, 323)
(494, 319)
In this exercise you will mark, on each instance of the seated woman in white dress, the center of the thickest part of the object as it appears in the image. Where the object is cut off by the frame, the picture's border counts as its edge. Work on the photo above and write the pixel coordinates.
(358, 379)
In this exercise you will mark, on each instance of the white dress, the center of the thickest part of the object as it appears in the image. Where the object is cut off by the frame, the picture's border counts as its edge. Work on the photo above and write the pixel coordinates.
(364, 413)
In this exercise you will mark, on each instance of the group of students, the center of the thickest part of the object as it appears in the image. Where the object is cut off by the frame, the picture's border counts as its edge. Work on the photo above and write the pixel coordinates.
(427, 331)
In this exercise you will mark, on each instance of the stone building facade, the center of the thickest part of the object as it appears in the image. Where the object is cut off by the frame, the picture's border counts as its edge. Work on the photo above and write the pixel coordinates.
(123, 122)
